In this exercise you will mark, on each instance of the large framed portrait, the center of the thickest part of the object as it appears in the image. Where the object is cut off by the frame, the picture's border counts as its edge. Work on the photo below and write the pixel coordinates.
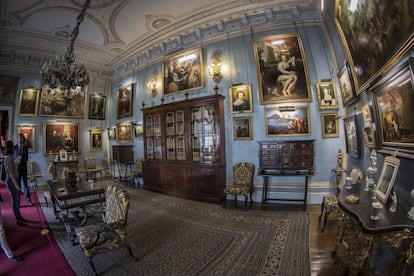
(241, 98)
(29, 132)
(375, 35)
(394, 101)
(183, 72)
(330, 125)
(28, 102)
(97, 106)
(59, 136)
(346, 85)
(242, 128)
(369, 137)
(327, 96)
(351, 136)
(124, 132)
(387, 177)
(96, 139)
(124, 101)
(288, 121)
(282, 69)
(8, 88)
(57, 102)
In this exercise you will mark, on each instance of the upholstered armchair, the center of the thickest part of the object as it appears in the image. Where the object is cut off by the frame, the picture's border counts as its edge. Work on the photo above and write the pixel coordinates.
(243, 175)
(112, 233)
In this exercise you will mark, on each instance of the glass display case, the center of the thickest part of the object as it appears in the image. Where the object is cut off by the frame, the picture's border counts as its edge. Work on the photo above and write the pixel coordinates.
(185, 148)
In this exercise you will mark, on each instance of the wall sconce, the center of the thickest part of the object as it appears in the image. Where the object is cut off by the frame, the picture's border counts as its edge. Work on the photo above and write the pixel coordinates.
(152, 84)
(214, 69)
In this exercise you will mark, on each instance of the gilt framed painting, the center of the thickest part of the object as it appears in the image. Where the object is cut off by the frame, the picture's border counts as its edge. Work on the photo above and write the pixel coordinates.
(59, 136)
(28, 102)
(327, 96)
(282, 71)
(97, 106)
(375, 34)
(183, 72)
(67, 103)
(288, 121)
(29, 133)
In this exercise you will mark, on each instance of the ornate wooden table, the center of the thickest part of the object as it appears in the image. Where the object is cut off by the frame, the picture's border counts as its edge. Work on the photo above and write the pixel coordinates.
(392, 227)
(69, 204)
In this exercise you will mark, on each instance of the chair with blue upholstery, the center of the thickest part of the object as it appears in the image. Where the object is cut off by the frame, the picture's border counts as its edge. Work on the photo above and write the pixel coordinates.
(243, 176)
(112, 233)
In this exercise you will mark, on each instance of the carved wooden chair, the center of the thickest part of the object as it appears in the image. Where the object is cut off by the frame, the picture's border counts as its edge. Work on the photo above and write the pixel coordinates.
(243, 175)
(91, 169)
(136, 173)
(112, 233)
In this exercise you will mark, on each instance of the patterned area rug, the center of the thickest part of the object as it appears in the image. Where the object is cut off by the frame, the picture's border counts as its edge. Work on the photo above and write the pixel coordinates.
(173, 236)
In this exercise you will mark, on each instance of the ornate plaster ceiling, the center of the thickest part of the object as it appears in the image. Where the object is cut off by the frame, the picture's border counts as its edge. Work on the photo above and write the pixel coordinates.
(117, 35)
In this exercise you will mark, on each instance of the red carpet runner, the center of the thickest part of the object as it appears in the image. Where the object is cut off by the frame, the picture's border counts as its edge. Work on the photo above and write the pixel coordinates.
(40, 253)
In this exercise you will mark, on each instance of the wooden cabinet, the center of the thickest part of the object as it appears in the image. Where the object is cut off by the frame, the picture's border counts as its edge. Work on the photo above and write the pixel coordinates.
(285, 158)
(184, 146)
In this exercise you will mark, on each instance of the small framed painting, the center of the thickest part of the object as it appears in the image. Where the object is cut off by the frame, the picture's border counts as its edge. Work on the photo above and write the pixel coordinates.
(387, 177)
(366, 113)
(369, 137)
(347, 86)
(28, 101)
(351, 136)
(242, 128)
(288, 121)
(63, 155)
(241, 98)
(330, 125)
(124, 101)
(29, 132)
(96, 139)
(327, 96)
(112, 133)
(139, 129)
(124, 132)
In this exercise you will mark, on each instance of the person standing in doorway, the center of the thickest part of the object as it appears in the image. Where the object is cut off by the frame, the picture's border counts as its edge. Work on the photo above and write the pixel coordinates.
(12, 183)
(21, 157)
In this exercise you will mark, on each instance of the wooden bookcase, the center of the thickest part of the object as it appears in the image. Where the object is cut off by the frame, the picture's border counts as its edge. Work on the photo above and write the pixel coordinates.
(285, 158)
(184, 144)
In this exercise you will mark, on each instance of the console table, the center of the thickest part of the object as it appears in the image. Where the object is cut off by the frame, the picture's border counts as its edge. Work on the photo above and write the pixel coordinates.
(285, 158)
(393, 228)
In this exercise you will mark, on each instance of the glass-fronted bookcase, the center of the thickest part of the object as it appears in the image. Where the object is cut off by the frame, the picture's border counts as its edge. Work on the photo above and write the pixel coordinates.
(184, 146)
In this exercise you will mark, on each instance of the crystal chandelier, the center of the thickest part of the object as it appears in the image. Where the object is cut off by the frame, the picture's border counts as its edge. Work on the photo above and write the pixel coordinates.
(63, 71)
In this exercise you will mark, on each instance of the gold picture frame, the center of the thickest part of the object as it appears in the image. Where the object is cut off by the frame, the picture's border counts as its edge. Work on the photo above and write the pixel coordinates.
(60, 136)
(369, 137)
(288, 121)
(330, 125)
(241, 98)
(139, 129)
(282, 71)
(96, 139)
(69, 103)
(327, 96)
(28, 101)
(97, 106)
(29, 132)
(112, 133)
(242, 128)
(183, 72)
(387, 177)
(366, 113)
(124, 132)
